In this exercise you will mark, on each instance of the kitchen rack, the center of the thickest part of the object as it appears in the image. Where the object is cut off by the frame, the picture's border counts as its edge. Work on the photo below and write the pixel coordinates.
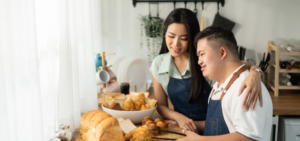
(134, 2)
(273, 75)
(104, 66)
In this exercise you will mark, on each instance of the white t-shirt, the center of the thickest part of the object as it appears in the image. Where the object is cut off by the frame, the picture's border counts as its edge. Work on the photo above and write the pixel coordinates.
(254, 124)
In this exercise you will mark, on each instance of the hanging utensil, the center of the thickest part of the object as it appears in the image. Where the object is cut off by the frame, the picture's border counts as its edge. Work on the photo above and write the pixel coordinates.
(202, 23)
(268, 58)
(195, 10)
(243, 54)
(266, 62)
(174, 2)
(240, 52)
(261, 65)
(222, 21)
(265, 67)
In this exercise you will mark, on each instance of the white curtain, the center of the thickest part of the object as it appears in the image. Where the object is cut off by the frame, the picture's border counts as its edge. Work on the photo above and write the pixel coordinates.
(79, 23)
(46, 65)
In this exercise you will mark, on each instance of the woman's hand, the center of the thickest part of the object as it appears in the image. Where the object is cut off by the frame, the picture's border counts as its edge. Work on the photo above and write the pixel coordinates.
(171, 122)
(253, 90)
(190, 136)
(185, 123)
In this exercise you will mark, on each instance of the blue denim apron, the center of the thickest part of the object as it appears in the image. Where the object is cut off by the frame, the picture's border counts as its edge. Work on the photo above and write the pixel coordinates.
(215, 123)
(179, 92)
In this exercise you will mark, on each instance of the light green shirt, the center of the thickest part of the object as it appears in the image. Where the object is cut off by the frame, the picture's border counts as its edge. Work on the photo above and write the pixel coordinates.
(163, 67)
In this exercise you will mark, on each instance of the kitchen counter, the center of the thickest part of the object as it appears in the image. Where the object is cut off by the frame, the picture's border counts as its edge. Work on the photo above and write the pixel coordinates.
(287, 103)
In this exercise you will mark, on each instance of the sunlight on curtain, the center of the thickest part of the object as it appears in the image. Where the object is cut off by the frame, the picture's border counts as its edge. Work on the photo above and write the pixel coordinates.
(46, 65)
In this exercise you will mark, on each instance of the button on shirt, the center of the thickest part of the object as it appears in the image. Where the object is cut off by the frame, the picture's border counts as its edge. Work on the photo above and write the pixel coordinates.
(254, 124)
(163, 67)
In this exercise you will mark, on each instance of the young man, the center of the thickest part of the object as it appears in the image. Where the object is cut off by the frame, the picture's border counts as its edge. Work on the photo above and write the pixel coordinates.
(226, 119)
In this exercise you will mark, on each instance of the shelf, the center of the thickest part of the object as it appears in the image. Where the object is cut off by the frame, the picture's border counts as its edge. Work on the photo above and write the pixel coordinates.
(273, 65)
(274, 48)
(286, 70)
(290, 71)
(289, 87)
(276, 70)
(289, 53)
(284, 87)
(271, 87)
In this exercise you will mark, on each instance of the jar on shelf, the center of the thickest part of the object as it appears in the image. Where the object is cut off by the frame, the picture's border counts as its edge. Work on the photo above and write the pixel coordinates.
(284, 75)
(285, 82)
(295, 64)
(283, 45)
(295, 44)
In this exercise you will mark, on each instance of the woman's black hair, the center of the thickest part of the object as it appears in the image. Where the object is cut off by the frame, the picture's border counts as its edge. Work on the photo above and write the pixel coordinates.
(189, 19)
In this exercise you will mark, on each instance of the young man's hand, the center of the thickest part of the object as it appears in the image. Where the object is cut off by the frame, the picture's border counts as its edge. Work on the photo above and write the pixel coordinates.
(253, 90)
(190, 136)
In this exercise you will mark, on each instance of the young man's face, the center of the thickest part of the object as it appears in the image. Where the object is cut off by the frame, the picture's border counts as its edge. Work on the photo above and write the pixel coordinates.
(208, 59)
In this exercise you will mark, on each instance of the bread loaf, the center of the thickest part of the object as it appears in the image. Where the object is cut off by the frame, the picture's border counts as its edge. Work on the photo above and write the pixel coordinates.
(100, 126)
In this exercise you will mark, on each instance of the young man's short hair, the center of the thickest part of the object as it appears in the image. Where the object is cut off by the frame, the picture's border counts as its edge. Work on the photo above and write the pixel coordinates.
(218, 37)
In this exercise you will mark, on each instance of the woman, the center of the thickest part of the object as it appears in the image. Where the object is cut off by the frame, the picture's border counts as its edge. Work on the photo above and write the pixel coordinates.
(176, 74)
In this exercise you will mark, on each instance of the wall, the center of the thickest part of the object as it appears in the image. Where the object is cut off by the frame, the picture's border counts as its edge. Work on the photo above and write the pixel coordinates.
(257, 22)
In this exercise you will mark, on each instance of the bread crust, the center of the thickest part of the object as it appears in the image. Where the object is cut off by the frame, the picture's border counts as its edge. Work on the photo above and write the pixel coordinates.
(99, 126)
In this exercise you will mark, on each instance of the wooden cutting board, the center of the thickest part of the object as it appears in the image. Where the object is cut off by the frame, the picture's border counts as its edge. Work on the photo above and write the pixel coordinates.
(160, 135)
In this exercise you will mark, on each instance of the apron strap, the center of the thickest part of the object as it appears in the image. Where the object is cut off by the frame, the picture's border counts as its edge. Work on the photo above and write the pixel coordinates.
(234, 77)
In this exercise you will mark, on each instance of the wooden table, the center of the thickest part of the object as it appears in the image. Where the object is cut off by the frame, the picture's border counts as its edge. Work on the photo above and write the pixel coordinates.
(160, 135)
(287, 103)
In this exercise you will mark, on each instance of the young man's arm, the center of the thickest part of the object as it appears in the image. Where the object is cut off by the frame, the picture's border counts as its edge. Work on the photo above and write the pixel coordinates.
(227, 137)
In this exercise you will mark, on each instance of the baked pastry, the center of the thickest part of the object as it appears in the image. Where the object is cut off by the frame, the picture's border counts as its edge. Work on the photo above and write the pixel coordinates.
(138, 134)
(152, 126)
(128, 105)
(145, 107)
(146, 119)
(100, 126)
(158, 119)
(139, 101)
(115, 106)
(162, 125)
(149, 122)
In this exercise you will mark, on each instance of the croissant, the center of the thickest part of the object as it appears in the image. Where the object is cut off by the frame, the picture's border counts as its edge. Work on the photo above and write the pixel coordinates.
(128, 105)
(138, 134)
(146, 119)
(158, 119)
(139, 101)
(145, 107)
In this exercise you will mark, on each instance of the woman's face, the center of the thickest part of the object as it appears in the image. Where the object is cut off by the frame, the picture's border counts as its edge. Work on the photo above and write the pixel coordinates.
(177, 39)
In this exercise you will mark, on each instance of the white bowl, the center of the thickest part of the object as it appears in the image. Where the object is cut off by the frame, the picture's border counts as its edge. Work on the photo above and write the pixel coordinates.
(135, 116)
